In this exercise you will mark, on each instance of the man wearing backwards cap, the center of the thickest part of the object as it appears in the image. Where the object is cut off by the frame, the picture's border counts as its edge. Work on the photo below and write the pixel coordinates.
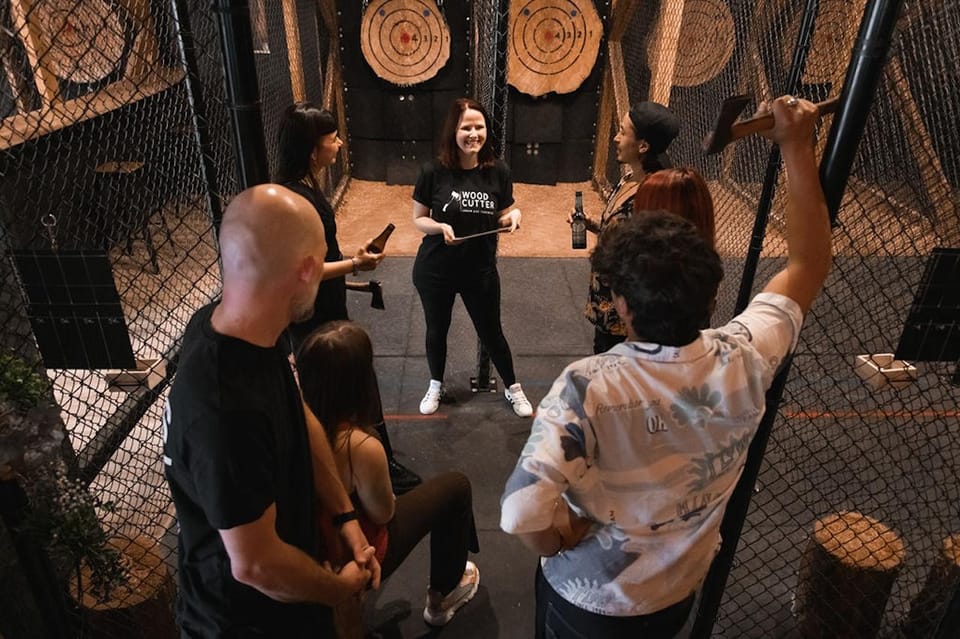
(642, 141)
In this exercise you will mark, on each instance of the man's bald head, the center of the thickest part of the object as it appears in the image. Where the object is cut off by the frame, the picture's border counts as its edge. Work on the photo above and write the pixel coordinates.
(266, 233)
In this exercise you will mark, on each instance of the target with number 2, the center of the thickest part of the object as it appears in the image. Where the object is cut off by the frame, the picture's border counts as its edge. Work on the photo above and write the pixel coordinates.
(553, 44)
(405, 41)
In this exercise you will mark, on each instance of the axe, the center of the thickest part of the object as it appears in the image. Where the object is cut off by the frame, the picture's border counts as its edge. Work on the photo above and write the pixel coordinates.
(373, 287)
(727, 130)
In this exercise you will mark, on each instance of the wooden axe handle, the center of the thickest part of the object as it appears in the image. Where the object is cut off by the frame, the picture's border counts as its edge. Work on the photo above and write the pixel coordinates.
(743, 128)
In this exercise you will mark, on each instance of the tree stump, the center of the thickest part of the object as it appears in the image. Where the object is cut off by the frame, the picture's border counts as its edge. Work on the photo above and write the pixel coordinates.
(846, 574)
(929, 606)
(141, 608)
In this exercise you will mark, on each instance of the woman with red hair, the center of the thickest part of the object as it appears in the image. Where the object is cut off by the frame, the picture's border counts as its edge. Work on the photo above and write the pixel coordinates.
(681, 192)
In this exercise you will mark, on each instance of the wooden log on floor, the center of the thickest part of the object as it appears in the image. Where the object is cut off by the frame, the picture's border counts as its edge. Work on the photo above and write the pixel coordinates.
(846, 574)
(929, 606)
(140, 608)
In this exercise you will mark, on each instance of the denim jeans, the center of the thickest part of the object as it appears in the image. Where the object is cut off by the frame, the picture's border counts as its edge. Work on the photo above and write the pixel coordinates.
(559, 619)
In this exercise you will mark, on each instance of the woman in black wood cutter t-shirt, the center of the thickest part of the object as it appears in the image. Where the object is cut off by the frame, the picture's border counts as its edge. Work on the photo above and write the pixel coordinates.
(463, 192)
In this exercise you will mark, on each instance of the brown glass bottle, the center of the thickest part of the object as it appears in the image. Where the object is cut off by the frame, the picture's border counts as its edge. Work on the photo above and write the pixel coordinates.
(379, 243)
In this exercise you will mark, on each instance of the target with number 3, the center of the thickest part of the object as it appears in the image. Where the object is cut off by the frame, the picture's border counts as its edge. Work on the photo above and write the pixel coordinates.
(404, 41)
(553, 44)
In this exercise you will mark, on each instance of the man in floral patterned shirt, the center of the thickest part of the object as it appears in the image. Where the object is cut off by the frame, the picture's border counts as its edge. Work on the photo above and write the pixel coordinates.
(634, 453)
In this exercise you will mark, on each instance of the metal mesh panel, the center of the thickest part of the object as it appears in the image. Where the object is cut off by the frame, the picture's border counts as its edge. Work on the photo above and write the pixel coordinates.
(110, 131)
(838, 444)
(488, 72)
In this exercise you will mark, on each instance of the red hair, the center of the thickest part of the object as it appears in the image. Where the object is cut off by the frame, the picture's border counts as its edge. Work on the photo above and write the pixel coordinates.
(681, 192)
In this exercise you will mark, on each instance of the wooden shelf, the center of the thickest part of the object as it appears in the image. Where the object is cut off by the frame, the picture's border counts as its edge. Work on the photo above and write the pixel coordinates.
(57, 115)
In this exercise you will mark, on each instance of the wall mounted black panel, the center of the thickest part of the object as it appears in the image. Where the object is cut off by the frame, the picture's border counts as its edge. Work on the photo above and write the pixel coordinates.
(579, 114)
(441, 102)
(537, 120)
(365, 115)
(406, 157)
(369, 158)
(576, 161)
(535, 162)
(407, 115)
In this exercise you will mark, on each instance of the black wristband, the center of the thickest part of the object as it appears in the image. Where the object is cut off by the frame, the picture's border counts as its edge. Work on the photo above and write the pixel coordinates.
(342, 518)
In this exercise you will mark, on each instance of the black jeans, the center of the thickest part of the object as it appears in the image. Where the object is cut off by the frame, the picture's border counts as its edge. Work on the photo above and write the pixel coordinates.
(557, 618)
(443, 507)
(481, 297)
(603, 341)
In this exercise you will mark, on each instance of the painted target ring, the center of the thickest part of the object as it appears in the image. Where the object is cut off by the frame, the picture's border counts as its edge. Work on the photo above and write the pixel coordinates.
(86, 38)
(706, 42)
(404, 41)
(553, 44)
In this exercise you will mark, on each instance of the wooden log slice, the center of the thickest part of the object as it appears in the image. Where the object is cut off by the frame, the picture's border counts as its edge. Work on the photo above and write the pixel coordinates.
(706, 42)
(84, 40)
(404, 41)
(552, 45)
(846, 574)
(834, 32)
(142, 607)
(942, 580)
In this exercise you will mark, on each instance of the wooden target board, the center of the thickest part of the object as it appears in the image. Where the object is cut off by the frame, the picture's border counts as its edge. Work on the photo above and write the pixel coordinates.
(552, 44)
(85, 39)
(404, 41)
(706, 42)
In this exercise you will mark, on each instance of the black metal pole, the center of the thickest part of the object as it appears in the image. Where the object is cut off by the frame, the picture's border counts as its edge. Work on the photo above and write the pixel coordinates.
(800, 53)
(201, 118)
(863, 77)
(733, 519)
(500, 90)
(736, 513)
(243, 92)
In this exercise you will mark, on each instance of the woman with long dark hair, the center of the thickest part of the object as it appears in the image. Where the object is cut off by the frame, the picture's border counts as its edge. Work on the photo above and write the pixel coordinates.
(307, 143)
(345, 399)
(464, 192)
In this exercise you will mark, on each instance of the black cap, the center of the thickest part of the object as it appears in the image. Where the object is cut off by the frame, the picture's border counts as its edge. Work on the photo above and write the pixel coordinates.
(657, 125)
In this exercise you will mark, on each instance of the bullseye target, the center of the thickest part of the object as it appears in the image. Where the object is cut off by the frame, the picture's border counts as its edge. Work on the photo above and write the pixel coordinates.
(553, 44)
(404, 41)
(706, 42)
(86, 38)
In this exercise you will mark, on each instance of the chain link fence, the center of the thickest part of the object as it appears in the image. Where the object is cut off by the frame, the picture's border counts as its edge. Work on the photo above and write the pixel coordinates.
(852, 527)
(116, 141)
(117, 158)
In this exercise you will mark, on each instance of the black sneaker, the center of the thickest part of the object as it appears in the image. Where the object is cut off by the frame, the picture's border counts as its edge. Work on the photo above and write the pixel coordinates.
(403, 479)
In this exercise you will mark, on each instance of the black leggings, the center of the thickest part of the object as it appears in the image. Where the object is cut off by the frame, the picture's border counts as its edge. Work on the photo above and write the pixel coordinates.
(481, 297)
(443, 507)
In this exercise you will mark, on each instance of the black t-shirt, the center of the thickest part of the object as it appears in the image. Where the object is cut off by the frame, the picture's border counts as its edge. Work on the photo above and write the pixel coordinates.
(331, 300)
(235, 441)
(468, 200)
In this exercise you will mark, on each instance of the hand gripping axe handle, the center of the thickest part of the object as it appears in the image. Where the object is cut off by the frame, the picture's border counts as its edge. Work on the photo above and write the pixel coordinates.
(728, 130)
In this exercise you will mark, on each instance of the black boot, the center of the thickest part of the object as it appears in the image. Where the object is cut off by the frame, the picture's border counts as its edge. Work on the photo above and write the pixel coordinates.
(403, 479)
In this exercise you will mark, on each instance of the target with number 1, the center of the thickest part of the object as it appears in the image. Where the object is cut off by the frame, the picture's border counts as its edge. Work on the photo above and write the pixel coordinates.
(553, 44)
(404, 41)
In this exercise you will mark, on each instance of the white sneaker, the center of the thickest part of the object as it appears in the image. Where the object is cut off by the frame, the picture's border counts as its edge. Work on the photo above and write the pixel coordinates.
(439, 609)
(521, 405)
(431, 400)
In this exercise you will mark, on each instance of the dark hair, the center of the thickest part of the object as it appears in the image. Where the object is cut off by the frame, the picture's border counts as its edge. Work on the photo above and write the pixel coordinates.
(335, 367)
(659, 126)
(682, 192)
(449, 151)
(301, 127)
(666, 272)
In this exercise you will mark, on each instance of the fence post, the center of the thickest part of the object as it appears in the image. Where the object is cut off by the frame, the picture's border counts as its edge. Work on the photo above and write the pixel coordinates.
(201, 116)
(243, 93)
(859, 87)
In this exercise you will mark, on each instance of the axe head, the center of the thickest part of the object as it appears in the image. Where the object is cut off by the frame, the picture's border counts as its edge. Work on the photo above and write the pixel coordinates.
(720, 136)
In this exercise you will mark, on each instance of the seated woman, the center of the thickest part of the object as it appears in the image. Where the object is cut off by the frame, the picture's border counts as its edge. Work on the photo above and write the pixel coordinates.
(335, 367)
